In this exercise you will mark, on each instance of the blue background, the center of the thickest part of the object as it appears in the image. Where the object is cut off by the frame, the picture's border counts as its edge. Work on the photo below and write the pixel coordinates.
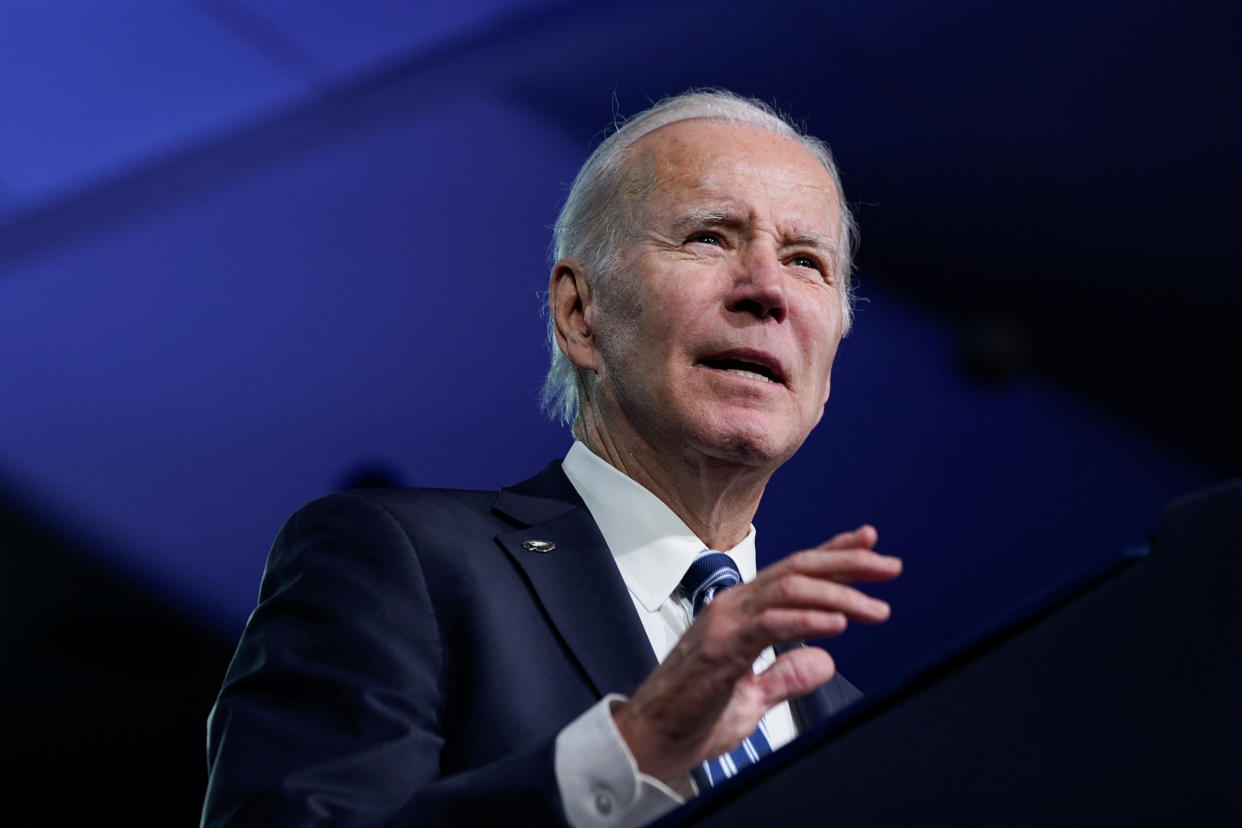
(251, 252)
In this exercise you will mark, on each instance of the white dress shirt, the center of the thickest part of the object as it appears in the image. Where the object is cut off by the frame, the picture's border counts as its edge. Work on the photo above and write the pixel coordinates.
(599, 781)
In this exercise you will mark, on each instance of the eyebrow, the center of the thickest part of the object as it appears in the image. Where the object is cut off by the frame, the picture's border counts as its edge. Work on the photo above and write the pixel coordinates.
(708, 218)
(826, 243)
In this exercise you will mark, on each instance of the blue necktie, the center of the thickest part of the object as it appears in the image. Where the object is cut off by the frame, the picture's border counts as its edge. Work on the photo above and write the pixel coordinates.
(710, 573)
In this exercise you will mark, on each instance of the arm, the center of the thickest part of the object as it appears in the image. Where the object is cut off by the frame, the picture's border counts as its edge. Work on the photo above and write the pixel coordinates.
(330, 711)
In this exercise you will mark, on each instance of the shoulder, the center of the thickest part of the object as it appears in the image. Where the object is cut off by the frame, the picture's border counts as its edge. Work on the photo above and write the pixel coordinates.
(546, 493)
(462, 512)
(407, 509)
(384, 530)
(385, 527)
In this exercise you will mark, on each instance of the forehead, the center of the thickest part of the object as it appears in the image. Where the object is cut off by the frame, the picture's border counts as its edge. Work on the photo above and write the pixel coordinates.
(742, 168)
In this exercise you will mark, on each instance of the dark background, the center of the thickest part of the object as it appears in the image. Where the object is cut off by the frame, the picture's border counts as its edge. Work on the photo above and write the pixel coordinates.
(252, 251)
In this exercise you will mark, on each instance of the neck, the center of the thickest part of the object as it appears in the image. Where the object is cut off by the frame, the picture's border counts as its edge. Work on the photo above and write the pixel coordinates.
(716, 498)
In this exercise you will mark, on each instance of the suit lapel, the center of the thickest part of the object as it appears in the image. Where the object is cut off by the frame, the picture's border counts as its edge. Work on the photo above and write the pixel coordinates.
(577, 581)
(585, 598)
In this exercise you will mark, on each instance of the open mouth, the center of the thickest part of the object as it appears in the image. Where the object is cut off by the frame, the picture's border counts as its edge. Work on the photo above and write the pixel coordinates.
(744, 368)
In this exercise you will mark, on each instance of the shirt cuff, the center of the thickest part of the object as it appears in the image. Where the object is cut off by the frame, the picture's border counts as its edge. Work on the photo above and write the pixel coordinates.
(600, 784)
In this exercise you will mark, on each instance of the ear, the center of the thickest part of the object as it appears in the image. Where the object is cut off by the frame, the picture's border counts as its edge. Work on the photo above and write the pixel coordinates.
(569, 298)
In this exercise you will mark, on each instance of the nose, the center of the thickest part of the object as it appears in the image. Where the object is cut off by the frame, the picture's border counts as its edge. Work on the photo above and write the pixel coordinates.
(759, 285)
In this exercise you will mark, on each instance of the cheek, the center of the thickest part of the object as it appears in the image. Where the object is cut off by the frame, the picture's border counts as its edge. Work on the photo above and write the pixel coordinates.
(825, 350)
(669, 320)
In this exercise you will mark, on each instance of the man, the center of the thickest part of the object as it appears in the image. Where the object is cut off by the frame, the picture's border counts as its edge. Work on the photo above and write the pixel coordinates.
(439, 657)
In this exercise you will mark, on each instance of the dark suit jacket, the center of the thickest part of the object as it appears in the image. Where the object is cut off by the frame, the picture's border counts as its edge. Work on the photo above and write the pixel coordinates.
(411, 662)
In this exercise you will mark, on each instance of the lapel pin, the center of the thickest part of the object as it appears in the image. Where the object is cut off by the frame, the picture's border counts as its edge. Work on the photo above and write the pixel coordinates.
(538, 546)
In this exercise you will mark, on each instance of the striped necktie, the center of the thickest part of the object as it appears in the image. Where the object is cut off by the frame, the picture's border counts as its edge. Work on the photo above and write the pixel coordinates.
(710, 573)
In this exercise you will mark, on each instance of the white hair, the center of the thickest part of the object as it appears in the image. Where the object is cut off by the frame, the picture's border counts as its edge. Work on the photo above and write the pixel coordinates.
(592, 225)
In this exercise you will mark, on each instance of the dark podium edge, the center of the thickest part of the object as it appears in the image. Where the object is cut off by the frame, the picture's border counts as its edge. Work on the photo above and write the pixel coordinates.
(942, 662)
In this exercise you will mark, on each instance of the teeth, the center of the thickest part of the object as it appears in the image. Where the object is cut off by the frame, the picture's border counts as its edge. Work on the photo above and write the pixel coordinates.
(742, 372)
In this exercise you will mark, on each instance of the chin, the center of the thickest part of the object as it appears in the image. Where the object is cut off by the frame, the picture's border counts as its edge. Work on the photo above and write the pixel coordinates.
(761, 444)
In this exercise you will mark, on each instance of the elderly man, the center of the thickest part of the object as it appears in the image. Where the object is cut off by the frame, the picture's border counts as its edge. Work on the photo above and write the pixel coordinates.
(577, 648)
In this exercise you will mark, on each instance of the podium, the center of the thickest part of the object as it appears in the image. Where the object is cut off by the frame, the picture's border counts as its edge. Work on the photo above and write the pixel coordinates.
(1115, 699)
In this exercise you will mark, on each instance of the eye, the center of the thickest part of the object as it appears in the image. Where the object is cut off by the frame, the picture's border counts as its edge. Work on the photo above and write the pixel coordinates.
(706, 237)
(804, 260)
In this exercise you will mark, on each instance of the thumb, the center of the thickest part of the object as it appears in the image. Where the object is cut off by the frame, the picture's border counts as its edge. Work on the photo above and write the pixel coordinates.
(794, 674)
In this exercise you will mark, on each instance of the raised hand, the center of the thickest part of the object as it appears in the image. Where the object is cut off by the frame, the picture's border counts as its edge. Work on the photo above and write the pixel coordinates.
(705, 698)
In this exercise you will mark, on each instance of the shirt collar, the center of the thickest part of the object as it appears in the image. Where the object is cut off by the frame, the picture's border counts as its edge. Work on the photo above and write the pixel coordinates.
(652, 546)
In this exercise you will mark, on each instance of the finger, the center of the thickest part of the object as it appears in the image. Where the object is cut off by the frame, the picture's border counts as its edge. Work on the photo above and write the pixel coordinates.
(864, 537)
(796, 591)
(794, 674)
(729, 635)
(842, 565)
(781, 625)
